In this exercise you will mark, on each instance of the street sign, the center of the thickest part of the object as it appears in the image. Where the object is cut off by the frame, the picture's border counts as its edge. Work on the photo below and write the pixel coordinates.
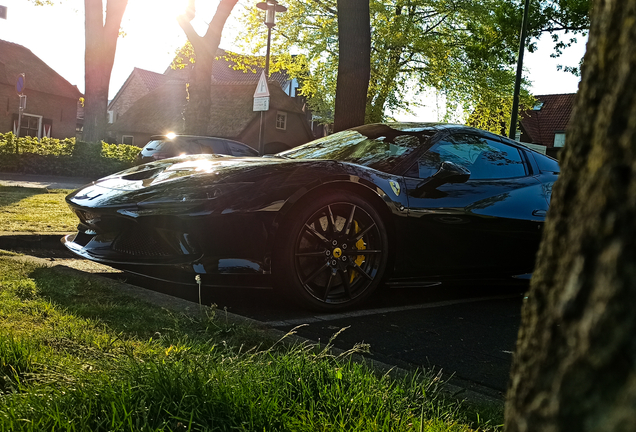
(261, 104)
(3, 12)
(262, 89)
(19, 84)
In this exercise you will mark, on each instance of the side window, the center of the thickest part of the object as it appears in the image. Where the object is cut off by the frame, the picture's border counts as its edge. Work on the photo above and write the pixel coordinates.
(547, 164)
(241, 150)
(214, 146)
(486, 159)
(188, 147)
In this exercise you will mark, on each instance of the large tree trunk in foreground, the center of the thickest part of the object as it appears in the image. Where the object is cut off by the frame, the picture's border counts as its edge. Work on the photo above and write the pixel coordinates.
(575, 364)
(354, 63)
(197, 112)
(101, 42)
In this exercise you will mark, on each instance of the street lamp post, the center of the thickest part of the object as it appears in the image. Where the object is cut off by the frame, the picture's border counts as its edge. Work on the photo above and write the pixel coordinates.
(270, 7)
(522, 46)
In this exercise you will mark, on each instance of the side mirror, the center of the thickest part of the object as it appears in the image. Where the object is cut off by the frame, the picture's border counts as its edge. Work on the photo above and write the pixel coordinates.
(449, 172)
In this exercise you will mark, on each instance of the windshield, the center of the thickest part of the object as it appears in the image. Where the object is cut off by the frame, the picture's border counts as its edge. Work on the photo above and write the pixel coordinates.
(377, 146)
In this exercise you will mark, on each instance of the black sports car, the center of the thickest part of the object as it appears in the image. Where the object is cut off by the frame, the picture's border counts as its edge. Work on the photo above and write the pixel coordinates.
(404, 203)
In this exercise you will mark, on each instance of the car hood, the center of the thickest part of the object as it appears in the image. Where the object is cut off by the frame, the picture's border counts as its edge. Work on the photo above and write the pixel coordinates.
(175, 170)
(185, 178)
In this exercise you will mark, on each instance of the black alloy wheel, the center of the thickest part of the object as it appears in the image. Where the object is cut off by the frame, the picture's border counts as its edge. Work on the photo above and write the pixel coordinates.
(338, 252)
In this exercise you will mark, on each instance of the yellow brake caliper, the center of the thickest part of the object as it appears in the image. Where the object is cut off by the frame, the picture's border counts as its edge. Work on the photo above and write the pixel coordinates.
(360, 246)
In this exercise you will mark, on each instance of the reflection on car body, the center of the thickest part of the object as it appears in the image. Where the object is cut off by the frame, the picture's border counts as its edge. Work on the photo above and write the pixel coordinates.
(326, 222)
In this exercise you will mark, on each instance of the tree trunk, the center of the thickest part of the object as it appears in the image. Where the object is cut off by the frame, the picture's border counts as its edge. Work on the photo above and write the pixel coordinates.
(197, 112)
(575, 364)
(354, 63)
(101, 42)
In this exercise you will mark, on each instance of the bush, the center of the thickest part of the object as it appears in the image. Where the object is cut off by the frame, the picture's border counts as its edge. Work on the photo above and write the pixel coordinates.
(63, 157)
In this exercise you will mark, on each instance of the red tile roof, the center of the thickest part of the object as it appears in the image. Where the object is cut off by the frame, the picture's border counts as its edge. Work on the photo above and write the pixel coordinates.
(151, 80)
(539, 126)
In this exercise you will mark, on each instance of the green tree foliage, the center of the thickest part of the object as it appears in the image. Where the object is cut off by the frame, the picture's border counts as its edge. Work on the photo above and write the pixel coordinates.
(564, 20)
(464, 49)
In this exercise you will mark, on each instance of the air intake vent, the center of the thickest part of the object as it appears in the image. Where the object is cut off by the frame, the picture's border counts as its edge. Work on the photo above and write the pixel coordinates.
(141, 243)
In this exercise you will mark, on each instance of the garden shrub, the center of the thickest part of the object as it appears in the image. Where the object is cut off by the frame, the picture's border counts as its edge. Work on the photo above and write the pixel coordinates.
(66, 157)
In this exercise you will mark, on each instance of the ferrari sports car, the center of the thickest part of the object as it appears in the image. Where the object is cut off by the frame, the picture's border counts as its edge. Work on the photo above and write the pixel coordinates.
(328, 222)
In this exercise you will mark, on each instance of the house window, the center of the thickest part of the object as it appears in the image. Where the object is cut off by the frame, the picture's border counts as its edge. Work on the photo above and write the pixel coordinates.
(281, 120)
(30, 125)
(559, 139)
(127, 139)
(111, 116)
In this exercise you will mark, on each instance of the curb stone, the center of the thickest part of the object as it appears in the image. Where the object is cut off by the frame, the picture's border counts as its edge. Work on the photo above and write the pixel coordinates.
(178, 305)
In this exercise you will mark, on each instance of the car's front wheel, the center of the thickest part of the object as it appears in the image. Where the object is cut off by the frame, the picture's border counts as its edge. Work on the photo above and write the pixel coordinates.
(334, 252)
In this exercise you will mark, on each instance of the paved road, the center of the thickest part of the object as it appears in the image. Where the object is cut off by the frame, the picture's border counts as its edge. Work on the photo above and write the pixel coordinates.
(42, 181)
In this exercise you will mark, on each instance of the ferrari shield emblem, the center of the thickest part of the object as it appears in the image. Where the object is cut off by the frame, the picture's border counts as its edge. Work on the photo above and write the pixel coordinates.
(395, 186)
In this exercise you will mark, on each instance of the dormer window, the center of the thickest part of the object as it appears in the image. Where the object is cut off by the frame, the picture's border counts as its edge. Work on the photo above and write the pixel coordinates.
(537, 106)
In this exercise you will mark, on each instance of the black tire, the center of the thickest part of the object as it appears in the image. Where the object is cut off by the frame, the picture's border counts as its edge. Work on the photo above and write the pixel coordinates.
(333, 253)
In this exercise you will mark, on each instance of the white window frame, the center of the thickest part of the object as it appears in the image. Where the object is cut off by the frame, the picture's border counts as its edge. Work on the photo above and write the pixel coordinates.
(39, 123)
(281, 125)
(132, 139)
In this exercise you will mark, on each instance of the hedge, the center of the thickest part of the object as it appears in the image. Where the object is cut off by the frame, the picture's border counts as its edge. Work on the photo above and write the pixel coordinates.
(63, 157)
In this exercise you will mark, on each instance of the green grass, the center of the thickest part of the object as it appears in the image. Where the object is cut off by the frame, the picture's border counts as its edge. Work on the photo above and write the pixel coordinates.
(35, 210)
(77, 355)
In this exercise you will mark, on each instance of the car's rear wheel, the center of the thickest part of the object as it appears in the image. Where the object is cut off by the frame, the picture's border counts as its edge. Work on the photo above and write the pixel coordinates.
(334, 252)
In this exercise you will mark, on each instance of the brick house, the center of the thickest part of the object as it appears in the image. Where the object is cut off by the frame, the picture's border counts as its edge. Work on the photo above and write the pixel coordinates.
(150, 104)
(547, 122)
(161, 112)
(52, 102)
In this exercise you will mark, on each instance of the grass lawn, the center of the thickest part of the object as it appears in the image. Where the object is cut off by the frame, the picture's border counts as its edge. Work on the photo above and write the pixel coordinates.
(78, 355)
(35, 210)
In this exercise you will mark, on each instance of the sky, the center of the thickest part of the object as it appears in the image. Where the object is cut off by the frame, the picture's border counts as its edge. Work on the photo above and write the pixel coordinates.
(56, 35)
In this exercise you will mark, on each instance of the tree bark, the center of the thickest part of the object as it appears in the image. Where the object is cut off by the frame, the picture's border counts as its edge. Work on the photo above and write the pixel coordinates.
(354, 63)
(574, 367)
(101, 43)
(197, 112)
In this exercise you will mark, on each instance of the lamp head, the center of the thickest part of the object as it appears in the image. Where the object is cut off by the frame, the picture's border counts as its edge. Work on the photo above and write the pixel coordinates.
(271, 7)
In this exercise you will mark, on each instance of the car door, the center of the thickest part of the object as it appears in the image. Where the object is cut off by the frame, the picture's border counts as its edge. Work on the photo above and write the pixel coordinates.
(491, 222)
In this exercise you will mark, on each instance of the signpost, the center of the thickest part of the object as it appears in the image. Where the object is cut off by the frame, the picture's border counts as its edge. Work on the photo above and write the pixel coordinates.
(261, 103)
(19, 87)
